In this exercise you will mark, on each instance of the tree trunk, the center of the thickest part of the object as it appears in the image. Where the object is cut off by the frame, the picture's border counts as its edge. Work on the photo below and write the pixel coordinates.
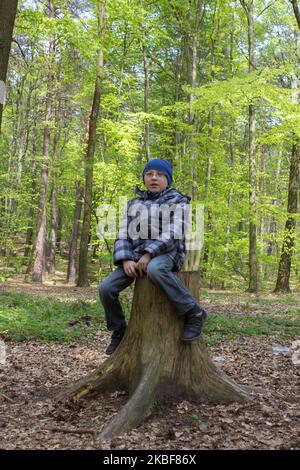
(21, 136)
(39, 252)
(146, 102)
(209, 223)
(29, 233)
(54, 209)
(89, 162)
(8, 10)
(272, 243)
(229, 198)
(51, 267)
(253, 282)
(177, 85)
(253, 285)
(231, 154)
(296, 11)
(152, 362)
(192, 120)
(284, 268)
(72, 266)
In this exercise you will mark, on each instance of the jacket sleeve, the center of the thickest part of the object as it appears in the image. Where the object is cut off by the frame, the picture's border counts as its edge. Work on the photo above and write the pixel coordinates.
(172, 232)
(123, 243)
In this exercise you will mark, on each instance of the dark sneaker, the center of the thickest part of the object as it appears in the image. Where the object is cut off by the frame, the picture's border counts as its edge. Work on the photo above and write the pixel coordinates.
(116, 339)
(193, 324)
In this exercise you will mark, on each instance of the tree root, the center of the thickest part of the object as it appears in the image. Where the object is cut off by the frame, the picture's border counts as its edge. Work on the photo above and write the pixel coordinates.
(136, 408)
(102, 378)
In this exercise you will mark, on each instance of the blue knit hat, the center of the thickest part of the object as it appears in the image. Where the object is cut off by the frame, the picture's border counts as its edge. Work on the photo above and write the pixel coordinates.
(162, 165)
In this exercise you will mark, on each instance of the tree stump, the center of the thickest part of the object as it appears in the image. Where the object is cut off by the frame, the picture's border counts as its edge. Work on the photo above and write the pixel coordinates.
(152, 362)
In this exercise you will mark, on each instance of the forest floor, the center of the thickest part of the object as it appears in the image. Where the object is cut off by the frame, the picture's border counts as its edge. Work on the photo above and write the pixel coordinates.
(29, 418)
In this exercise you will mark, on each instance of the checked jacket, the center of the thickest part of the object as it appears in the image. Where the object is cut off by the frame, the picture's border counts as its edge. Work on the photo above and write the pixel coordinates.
(153, 235)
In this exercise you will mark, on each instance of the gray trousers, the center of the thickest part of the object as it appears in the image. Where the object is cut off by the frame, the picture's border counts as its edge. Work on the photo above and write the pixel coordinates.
(159, 270)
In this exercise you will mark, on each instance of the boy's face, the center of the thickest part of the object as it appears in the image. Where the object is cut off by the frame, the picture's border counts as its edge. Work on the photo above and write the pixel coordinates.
(155, 181)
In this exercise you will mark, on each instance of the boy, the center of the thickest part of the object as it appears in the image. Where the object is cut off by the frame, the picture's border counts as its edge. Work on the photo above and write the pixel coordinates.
(157, 256)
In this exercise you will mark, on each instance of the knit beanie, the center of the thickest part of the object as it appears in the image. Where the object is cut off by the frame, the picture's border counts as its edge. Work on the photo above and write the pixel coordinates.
(160, 164)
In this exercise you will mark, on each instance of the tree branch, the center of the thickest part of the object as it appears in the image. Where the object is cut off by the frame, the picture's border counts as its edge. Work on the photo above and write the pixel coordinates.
(268, 6)
(23, 55)
(244, 5)
(296, 11)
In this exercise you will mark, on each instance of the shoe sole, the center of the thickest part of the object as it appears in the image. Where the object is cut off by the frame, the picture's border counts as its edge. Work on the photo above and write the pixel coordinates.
(190, 340)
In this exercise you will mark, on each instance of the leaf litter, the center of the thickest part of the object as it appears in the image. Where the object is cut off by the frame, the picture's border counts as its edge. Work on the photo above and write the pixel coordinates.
(30, 419)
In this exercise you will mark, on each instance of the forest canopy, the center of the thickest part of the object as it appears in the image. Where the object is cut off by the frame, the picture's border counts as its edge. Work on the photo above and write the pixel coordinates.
(97, 88)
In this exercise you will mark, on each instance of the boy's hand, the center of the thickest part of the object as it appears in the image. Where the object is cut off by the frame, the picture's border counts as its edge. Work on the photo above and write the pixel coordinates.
(130, 268)
(143, 263)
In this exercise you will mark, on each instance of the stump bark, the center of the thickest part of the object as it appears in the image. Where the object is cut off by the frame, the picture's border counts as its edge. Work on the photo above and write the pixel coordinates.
(152, 362)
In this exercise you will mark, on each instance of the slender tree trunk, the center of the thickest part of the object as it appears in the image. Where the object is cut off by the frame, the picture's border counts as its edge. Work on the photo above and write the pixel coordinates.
(253, 284)
(72, 266)
(21, 142)
(263, 219)
(209, 225)
(178, 73)
(89, 162)
(8, 10)
(53, 232)
(253, 281)
(284, 268)
(146, 102)
(271, 248)
(29, 233)
(14, 150)
(17, 150)
(209, 217)
(79, 197)
(207, 253)
(39, 252)
(229, 199)
(296, 11)
(23, 145)
(54, 208)
(231, 154)
(193, 120)
(196, 17)
(193, 144)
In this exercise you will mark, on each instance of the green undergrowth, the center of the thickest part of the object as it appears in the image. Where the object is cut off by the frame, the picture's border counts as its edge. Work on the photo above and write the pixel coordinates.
(219, 327)
(242, 314)
(26, 317)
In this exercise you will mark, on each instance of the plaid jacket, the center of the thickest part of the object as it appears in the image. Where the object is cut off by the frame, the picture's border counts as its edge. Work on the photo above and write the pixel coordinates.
(156, 236)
